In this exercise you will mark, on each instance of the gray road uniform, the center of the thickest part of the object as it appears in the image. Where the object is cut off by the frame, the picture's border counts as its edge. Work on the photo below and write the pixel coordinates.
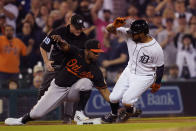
(75, 76)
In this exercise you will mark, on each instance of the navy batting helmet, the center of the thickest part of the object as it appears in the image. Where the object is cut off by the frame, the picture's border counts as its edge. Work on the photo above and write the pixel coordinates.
(139, 26)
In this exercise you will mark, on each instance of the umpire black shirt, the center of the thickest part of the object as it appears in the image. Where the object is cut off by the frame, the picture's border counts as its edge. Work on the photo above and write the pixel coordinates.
(75, 68)
(57, 54)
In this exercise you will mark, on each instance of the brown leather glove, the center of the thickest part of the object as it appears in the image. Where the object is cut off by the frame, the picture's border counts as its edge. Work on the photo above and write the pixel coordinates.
(119, 21)
(155, 87)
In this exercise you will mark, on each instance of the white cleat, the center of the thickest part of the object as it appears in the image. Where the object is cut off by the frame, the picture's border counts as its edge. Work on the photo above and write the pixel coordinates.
(13, 121)
(79, 116)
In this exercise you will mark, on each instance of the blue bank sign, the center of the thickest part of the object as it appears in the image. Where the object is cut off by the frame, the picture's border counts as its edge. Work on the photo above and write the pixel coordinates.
(167, 100)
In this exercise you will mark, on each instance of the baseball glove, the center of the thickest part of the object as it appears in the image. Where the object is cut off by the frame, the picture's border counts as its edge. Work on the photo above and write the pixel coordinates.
(120, 21)
(155, 87)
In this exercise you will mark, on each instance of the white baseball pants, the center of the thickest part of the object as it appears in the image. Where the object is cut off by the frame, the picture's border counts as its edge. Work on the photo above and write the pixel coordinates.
(130, 87)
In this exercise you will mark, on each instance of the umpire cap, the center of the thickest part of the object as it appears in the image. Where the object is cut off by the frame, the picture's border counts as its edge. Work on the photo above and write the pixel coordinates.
(139, 26)
(77, 21)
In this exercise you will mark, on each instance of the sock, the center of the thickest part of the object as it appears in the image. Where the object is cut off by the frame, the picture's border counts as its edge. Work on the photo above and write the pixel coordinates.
(26, 118)
(84, 96)
(130, 109)
(114, 107)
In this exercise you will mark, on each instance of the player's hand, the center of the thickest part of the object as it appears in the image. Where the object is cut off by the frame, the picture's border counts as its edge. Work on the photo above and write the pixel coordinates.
(120, 21)
(48, 65)
(57, 38)
(155, 87)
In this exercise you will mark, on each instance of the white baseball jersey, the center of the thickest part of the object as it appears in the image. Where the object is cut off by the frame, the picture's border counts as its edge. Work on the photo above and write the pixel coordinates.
(138, 76)
(143, 57)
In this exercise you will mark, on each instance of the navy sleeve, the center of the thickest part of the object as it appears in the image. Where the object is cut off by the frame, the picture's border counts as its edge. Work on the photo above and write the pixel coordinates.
(159, 74)
(47, 42)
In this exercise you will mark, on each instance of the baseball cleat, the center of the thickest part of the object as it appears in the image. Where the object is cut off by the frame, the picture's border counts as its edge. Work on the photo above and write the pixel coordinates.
(13, 121)
(137, 113)
(109, 118)
(123, 116)
(67, 120)
(79, 116)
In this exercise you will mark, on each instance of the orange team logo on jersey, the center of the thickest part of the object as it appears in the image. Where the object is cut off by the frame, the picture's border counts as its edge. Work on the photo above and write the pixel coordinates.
(73, 67)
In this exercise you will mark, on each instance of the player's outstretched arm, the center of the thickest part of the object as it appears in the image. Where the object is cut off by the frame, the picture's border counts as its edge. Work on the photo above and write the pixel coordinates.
(105, 93)
(62, 43)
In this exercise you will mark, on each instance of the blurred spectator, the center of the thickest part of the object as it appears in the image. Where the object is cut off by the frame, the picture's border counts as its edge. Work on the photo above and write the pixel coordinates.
(23, 8)
(168, 14)
(181, 9)
(99, 23)
(31, 19)
(133, 12)
(192, 7)
(63, 10)
(48, 26)
(35, 7)
(37, 76)
(156, 25)
(181, 29)
(56, 4)
(84, 11)
(166, 40)
(42, 17)
(192, 26)
(11, 48)
(27, 37)
(115, 60)
(182, 23)
(2, 23)
(37, 80)
(13, 85)
(117, 8)
(164, 4)
(186, 58)
(10, 11)
(172, 74)
(38, 36)
(73, 4)
(149, 14)
(38, 70)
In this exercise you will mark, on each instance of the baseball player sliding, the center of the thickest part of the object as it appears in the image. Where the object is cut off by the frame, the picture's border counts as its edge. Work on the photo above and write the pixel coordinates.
(79, 73)
(145, 67)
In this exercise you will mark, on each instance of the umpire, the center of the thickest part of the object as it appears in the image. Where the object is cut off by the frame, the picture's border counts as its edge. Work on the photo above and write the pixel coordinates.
(53, 55)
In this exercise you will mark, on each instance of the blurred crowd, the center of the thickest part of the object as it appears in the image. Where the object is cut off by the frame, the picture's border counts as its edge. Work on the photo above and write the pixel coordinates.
(27, 22)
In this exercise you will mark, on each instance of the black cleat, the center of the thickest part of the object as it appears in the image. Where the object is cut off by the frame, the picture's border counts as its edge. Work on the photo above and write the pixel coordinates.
(109, 118)
(123, 116)
(137, 113)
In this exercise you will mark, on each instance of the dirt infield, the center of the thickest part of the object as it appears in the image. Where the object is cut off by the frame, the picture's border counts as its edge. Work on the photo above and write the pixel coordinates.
(132, 120)
(162, 120)
(133, 124)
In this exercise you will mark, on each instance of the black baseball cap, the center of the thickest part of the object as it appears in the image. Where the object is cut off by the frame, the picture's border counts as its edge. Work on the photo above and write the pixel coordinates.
(77, 21)
(93, 45)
